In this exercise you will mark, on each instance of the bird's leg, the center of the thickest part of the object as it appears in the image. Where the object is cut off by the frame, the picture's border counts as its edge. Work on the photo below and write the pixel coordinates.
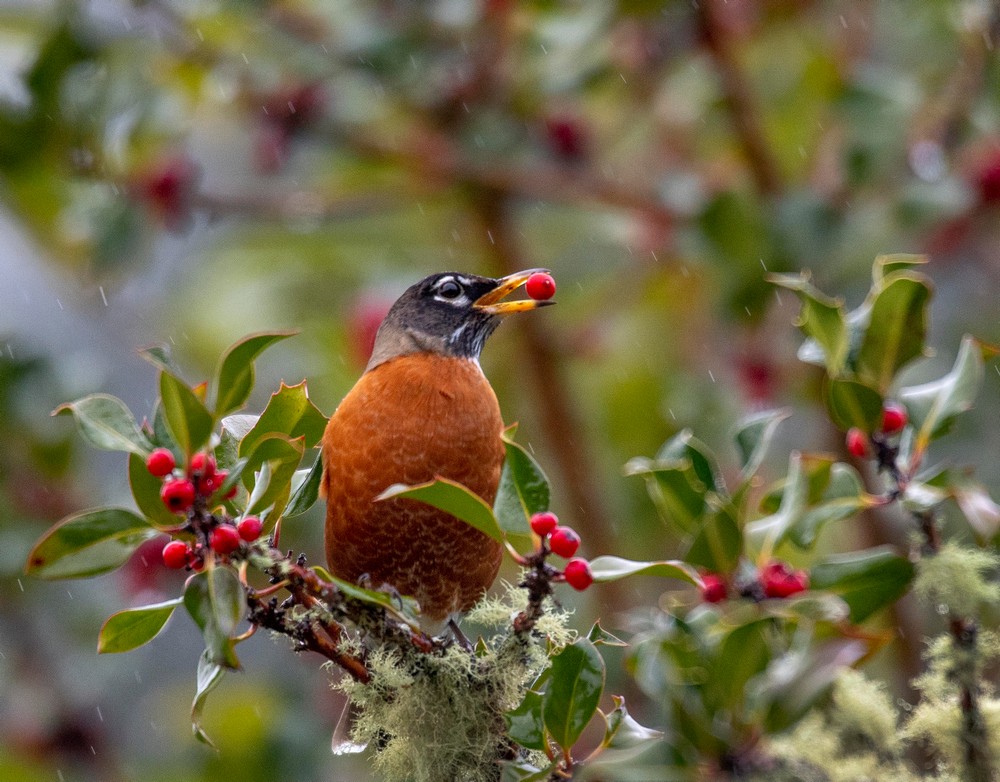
(458, 635)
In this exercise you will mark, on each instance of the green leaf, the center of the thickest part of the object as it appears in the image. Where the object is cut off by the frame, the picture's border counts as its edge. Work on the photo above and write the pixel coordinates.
(199, 600)
(282, 457)
(289, 412)
(146, 493)
(718, 544)
(523, 491)
(525, 724)
(209, 676)
(867, 580)
(134, 627)
(159, 356)
(886, 266)
(228, 598)
(743, 653)
(523, 771)
(896, 330)
(932, 406)
(306, 493)
(816, 491)
(822, 319)
(234, 378)
(795, 681)
(854, 404)
(674, 488)
(105, 422)
(623, 732)
(88, 544)
(573, 692)
(608, 568)
(685, 446)
(753, 436)
(188, 419)
(601, 637)
(401, 606)
(453, 498)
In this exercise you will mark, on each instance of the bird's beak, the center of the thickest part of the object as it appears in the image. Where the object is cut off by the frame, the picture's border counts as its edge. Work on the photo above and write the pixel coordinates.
(491, 300)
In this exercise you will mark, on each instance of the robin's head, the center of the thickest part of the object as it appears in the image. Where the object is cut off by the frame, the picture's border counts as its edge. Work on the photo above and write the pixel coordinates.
(449, 313)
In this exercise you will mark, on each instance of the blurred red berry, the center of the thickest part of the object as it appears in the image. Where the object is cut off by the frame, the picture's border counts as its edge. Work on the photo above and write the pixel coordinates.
(713, 588)
(175, 554)
(168, 188)
(540, 286)
(857, 443)
(250, 528)
(220, 478)
(160, 462)
(363, 323)
(224, 539)
(566, 137)
(543, 523)
(178, 494)
(988, 180)
(779, 580)
(577, 573)
(202, 463)
(564, 542)
(894, 417)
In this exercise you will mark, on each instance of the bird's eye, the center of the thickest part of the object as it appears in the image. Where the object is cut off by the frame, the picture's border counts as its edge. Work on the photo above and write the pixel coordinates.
(449, 289)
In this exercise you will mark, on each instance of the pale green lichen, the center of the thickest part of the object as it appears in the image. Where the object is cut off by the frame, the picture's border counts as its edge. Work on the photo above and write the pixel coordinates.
(955, 580)
(439, 716)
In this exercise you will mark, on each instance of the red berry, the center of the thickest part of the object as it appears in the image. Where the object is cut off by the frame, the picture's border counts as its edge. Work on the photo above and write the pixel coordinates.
(577, 573)
(564, 542)
(177, 494)
(175, 554)
(543, 523)
(540, 286)
(224, 539)
(857, 443)
(893, 417)
(713, 588)
(250, 528)
(566, 137)
(779, 580)
(220, 478)
(160, 462)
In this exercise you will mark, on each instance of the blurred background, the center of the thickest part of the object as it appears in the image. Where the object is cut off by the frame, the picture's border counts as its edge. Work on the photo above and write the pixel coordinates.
(188, 171)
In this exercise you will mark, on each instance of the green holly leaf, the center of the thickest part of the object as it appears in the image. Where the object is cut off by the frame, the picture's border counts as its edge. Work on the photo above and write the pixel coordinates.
(674, 488)
(933, 406)
(187, 418)
(453, 498)
(896, 329)
(88, 544)
(134, 627)
(718, 544)
(742, 653)
(214, 598)
(821, 319)
(853, 403)
(289, 412)
(622, 731)
(146, 493)
(105, 422)
(523, 490)
(608, 568)
(753, 436)
(306, 492)
(525, 724)
(234, 378)
(573, 692)
(866, 580)
(159, 356)
(209, 675)
(268, 474)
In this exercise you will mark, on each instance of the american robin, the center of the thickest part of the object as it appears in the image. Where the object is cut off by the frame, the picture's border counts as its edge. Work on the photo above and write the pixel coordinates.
(422, 409)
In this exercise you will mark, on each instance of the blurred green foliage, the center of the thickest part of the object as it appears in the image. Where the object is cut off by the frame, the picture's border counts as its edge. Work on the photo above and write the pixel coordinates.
(218, 168)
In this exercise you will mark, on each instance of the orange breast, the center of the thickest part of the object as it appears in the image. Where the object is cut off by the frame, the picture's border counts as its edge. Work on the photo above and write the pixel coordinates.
(407, 421)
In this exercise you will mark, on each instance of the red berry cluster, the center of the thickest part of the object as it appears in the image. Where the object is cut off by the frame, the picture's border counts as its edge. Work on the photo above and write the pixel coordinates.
(183, 492)
(894, 420)
(775, 579)
(563, 542)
